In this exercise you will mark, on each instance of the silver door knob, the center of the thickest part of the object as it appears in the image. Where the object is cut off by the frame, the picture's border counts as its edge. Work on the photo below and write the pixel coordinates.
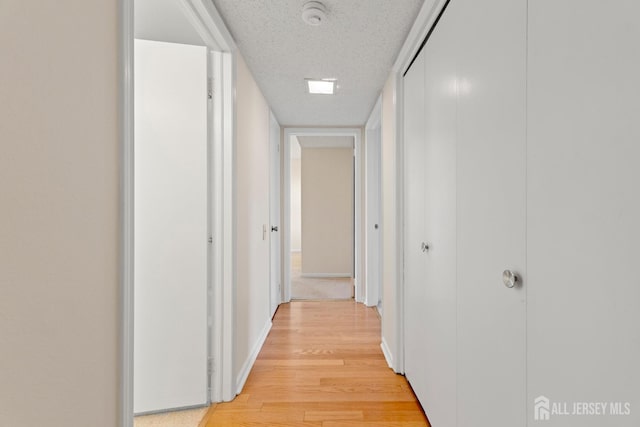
(510, 279)
(424, 247)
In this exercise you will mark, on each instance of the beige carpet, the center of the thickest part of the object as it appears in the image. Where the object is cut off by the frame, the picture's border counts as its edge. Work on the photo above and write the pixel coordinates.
(187, 418)
(317, 288)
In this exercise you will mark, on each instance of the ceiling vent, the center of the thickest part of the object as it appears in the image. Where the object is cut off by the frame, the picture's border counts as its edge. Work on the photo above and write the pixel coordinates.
(314, 13)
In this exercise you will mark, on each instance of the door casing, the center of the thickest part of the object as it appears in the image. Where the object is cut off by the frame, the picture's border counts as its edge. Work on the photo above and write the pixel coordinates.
(356, 133)
(209, 24)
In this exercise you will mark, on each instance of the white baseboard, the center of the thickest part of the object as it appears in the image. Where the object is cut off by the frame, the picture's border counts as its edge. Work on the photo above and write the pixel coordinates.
(387, 353)
(248, 364)
(327, 275)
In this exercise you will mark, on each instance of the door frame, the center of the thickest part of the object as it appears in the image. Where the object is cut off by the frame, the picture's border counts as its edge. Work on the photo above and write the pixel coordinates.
(221, 51)
(373, 135)
(356, 133)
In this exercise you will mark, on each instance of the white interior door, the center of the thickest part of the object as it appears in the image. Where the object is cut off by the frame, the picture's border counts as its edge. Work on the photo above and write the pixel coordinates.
(583, 211)
(491, 210)
(170, 318)
(274, 209)
(373, 215)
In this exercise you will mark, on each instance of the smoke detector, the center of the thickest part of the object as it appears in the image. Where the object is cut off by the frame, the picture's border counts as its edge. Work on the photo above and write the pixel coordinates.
(314, 13)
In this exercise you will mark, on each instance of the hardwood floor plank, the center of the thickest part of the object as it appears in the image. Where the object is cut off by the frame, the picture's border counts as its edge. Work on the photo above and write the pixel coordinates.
(333, 415)
(322, 366)
(373, 424)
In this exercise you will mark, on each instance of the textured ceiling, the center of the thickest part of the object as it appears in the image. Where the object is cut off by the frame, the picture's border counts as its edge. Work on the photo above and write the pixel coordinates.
(356, 44)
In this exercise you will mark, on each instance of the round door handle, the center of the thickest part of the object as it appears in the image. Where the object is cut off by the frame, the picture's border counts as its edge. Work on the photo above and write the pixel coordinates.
(424, 247)
(274, 228)
(510, 279)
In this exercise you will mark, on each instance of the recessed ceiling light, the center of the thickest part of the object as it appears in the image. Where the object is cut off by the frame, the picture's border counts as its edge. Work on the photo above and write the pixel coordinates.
(321, 86)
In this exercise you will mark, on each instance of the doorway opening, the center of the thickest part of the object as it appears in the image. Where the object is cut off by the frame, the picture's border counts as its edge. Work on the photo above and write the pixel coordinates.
(177, 81)
(322, 209)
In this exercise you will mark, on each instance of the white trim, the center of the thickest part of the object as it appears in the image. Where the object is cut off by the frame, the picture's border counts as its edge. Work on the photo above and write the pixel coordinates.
(327, 275)
(359, 276)
(421, 26)
(210, 23)
(321, 144)
(227, 302)
(248, 364)
(286, 222)
(194, 18)
(223, 207)
(398, 103)
(388, 356)
(373, 135)
(126, 108)
(375, 117)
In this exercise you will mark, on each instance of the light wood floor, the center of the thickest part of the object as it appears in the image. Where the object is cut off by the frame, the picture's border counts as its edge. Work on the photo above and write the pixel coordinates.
(322, 366)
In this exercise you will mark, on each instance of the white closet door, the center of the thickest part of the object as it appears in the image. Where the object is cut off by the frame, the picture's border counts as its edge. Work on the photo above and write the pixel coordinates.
(439, 306)
(430, 219)
(170, 341)
(414, 267)
(491, 211)
(583, 208)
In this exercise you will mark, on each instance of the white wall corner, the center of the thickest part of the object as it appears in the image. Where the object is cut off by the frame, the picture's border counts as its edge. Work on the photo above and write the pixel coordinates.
(375, 117)
(243, 374)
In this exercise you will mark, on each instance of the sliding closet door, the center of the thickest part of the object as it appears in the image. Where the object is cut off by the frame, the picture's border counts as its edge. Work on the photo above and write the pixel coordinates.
(439, 305)
(430, 226)
(583, 222)
(414, 171)
(491, 211)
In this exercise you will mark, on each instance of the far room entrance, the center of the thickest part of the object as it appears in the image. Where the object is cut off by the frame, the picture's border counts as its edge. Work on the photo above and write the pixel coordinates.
(322, 213)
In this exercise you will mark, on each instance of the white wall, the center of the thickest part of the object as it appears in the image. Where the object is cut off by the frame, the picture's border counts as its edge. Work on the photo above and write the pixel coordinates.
(59, 221)
(296, 203)
(327, 210)
(389, 224)
(252, 251)
(583, 206)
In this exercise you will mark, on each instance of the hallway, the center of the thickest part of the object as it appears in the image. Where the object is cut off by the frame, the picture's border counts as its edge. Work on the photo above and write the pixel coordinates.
(321, 366)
